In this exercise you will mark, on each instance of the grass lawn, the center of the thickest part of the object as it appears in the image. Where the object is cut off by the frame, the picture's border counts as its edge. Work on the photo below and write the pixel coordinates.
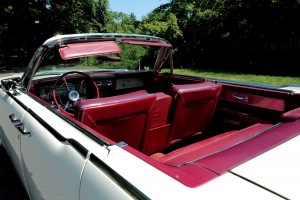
(262, 79)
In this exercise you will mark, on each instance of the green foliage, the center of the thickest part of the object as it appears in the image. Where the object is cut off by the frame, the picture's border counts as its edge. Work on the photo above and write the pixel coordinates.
(232, 33)
(26, 24)
(256, 34)
(132, 57)
(74, 16)
(122, 23)
(166, 26)
(237, 76)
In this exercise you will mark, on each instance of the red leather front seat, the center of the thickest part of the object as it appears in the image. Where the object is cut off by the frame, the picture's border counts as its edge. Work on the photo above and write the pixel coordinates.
(192, 109)
(157, 126)
(120, 118)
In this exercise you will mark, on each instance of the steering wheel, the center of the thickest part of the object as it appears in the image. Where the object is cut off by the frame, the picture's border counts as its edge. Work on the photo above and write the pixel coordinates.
(68, 97)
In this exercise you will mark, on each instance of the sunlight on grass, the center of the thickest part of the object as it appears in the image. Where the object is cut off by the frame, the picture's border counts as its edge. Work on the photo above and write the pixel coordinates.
(262, 79)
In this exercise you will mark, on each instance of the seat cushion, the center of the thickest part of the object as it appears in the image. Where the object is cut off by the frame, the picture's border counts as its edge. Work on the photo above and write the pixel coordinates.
(212, 145)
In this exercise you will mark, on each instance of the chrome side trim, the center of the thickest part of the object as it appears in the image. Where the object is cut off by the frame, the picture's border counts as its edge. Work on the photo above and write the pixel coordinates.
(258, 185)
(75, 144)
(118, 179)
(78, 127)
(194, 88)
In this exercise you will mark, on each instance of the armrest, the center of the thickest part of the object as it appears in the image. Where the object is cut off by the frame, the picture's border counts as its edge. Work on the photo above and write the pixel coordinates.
(291, 115)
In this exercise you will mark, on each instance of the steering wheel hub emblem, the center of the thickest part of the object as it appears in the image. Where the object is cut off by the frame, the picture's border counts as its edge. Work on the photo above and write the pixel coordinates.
(73, 95)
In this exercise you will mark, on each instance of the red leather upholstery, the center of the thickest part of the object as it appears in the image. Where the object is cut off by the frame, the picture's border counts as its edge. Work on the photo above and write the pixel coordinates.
(157, 128)
(291, 115)
(192, 109)
(210, 146)
(120, 118)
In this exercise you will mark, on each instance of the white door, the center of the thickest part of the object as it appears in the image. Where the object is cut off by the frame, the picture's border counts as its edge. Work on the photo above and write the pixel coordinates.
(52, 164)
(99, 182)
(11, 114)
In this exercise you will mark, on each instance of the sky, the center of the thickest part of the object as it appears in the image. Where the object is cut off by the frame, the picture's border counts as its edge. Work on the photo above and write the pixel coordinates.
(139, 7)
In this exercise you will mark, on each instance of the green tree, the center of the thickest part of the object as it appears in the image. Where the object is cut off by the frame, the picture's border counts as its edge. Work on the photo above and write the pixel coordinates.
(119, 22)
(75, 16)
(26, 24)
(229, 32)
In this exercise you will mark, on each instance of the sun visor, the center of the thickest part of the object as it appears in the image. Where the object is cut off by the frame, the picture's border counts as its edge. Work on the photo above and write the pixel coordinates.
(78, 50)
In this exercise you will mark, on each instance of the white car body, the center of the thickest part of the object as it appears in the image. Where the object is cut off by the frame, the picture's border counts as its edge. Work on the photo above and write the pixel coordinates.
(55, 160)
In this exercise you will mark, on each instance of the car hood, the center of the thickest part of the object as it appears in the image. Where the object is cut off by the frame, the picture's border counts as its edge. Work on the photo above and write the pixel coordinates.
(276, 170)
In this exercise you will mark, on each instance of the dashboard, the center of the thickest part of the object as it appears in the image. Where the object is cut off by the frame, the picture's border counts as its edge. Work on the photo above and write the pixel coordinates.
(109, 84)
(46, 92)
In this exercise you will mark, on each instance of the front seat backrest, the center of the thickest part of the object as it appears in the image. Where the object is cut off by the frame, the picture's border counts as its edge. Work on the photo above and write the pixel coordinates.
(120, 118)
(192, 109)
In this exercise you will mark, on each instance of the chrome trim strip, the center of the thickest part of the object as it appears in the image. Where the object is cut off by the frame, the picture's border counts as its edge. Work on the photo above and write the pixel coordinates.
(194, 88)
(75, 144)
(261, 186)
(118, 179)
(242, 98)
(89, 36)
(81, 149)
(255, 85)
(78, 127)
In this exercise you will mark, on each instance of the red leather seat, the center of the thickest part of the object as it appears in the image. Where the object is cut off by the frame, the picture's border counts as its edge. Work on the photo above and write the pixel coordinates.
(290, 116)
(120, 118)
(157, 127)
(211, 145)
(192, 109)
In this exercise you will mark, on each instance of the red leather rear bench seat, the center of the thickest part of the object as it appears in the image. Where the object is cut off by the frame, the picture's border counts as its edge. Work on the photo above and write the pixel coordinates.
(210, 146)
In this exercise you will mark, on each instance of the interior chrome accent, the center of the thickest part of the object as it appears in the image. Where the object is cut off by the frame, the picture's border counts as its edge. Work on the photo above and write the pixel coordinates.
(121, 144)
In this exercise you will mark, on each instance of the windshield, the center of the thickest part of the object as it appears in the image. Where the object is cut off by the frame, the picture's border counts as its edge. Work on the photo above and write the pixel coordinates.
(97, 57)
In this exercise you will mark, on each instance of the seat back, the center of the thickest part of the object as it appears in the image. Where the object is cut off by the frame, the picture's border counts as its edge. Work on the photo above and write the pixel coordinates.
(192, 109)
(120, 118)
(157, 127)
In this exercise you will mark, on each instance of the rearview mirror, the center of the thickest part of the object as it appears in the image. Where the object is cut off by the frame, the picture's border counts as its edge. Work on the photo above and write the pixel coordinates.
(109, 58)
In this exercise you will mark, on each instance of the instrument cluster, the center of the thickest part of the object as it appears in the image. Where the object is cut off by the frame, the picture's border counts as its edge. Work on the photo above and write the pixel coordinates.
(46, 92)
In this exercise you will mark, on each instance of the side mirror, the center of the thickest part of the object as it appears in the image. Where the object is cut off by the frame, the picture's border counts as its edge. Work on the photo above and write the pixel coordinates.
(9, 84)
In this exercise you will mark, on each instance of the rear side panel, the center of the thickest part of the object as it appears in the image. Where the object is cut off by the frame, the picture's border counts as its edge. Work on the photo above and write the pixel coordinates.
(240, 106)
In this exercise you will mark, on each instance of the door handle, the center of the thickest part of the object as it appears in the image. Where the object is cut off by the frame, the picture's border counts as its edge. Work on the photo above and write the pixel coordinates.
(14, 119)
(241, 97)
(19, 125)
(22, 129)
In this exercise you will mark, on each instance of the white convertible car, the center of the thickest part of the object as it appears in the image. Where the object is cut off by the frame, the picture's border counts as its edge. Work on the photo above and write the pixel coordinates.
(102, 116)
